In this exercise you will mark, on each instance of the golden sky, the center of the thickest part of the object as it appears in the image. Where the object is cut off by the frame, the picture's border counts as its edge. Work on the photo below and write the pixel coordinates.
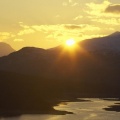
(48, 23)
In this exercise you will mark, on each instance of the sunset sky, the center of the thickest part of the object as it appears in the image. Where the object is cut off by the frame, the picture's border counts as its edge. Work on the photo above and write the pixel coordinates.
(48, 23)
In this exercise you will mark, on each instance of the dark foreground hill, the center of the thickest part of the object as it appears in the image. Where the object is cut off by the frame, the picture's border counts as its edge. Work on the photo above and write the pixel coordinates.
(32, 79)
(5, 49)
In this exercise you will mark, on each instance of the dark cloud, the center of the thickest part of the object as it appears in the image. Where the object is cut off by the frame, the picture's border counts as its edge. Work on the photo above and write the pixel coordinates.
(72, 27)
(113, 9)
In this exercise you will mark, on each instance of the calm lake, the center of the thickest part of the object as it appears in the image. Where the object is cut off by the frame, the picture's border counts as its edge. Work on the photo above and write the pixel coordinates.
(86, 109)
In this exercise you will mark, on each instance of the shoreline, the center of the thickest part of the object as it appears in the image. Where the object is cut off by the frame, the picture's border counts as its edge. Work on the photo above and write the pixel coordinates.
(52, 111)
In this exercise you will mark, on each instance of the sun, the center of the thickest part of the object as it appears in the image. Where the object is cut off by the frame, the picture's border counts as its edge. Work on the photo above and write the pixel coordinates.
(70, 42)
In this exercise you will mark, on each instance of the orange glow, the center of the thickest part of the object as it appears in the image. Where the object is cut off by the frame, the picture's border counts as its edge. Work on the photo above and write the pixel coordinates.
(70, 42)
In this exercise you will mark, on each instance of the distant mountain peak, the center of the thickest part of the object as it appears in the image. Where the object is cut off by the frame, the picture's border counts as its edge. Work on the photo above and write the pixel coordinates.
(28, 49)
(31, 51)
(5, 49)
(117, 33)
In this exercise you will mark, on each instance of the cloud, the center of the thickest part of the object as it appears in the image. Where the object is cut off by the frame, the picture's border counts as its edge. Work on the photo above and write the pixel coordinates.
(78, 17)
(108, 21)
(64, 29)
(57, 34)
(18, 40)
(105, 13)
(26, 31)
(70, 3)
(113, 9)
(97, 9)
(62, 32)
(90, 28)
(5, 35)
(85, 36)
(72, 27)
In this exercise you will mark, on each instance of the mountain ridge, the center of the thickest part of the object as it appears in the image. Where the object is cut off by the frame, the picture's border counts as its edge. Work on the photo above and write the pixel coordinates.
(33, 77)
(110, 43)
(117, 33)
(57, 61)
(5, 49)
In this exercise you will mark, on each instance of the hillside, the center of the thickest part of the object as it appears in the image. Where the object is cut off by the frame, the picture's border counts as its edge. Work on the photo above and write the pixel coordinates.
(5, 49)
(41, 77)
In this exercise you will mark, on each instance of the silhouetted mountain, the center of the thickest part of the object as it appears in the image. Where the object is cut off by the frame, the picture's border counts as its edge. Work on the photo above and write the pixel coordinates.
(105, 44)
(5, 49)
(93, 55)
(28, 60)
(39, 76)
(117, 33)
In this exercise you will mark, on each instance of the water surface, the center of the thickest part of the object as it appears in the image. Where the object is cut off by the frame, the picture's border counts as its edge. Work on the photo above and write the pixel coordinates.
(90, 109)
